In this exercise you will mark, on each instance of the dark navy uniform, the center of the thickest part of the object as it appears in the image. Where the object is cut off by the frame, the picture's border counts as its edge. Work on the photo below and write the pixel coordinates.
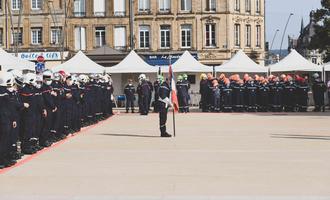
(164, 92)
(289, 96)
(319, 88)
(302, 96)
(29, 118)
(277, 91)
(203, 90)
(145, 95)
(47, 137)
(130, 97)
(156, 95)
(182, 93)
(6, 124)
(227, 93)
(57, 119)
(238, 97)
(217, 98)
(263, 97)
(251, 96)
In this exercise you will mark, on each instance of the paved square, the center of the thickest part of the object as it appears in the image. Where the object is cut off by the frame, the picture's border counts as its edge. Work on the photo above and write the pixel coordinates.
(230, 156)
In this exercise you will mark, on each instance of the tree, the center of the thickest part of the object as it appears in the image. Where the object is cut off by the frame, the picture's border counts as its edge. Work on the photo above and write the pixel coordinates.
(321, 39)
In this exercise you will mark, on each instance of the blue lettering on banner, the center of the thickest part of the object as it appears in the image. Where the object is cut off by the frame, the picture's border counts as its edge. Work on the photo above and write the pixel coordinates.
(34, 55)
(163, 60)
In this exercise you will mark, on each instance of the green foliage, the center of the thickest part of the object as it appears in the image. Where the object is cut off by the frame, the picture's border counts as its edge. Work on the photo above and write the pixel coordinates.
(321, 39)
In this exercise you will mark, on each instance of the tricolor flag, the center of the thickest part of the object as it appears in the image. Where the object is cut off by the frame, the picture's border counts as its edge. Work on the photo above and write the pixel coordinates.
(174, 97)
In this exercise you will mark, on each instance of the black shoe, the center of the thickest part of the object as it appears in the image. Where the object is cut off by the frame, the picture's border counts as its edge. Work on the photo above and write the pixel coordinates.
(166, 135)
(126, 111)
(133, 111)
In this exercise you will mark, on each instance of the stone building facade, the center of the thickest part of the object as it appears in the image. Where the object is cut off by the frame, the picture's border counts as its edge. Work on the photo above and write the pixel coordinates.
(213, 30)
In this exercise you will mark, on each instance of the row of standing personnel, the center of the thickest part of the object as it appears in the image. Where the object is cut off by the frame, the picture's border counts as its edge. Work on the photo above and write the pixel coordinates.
(145, 90)
(275, 94)
(39, 110)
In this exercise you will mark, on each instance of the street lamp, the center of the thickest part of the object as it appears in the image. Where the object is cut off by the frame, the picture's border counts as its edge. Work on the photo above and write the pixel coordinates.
(271, 46)
(286, 26)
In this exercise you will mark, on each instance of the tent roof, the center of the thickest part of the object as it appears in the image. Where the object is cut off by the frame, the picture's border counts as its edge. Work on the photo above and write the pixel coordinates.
(187, 63)
(241, 63)
(80, 63)
(327, 67)
(132, 63)
(105, 50)
(294, 62)
(8, 61)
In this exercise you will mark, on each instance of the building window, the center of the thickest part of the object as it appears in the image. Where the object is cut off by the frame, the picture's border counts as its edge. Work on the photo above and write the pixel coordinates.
(186, 36)
(99, 36)
(210, 35)
(119, 8)
(0, 4)
(248, 36)
(79, 8)
(56, 35)
(144, 5)
(1, 36)
(258, 30)
(80, 38)
(258, 6)
(17, 36)
(99, 8)
(36, 4)
(120, 37)
(247, 5)
(164, 5)
(186, 5)
(165, 36)
(210, 5)
(16, 4)
(36, 36)
(237, 35)
(237, 5)
(144, 37)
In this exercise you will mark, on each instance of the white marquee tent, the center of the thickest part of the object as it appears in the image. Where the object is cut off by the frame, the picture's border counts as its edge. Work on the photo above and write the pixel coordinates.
(327, 67)
(187, 63)
(241, 63)
(80, 64)
(294, 62)
(132, 63)
(8, 61)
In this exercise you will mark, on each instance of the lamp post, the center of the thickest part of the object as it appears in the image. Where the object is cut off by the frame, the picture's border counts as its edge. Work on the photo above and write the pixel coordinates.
(271, 46)
(286, 26)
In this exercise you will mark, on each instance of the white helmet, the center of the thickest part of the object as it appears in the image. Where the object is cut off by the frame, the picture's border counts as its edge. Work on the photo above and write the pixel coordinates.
(18, 75)
(48, 74)
(30, 78)
(57, 76)
(142, 77)
(7, 79)
(83, 78)
(316, 76)
(74, 78)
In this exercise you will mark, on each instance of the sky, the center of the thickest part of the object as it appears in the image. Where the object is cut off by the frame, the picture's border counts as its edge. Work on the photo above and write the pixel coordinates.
(277, 14)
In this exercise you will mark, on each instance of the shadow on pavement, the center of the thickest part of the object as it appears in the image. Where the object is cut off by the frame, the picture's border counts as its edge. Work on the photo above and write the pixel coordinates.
(302, 137)
(129, 135)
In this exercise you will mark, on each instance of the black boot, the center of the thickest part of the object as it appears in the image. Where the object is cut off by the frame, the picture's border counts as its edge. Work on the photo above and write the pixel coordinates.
(166, 135)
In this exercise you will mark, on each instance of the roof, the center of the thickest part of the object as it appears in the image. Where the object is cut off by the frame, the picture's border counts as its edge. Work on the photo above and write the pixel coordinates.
(105, 50)
(241, 63)
(132, 63)
(187, 63)
(294, 62)
(8, 61)
(80, 64)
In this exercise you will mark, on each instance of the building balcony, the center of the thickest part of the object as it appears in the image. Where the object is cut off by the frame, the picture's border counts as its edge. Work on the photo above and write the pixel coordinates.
(119, 13)
(79, 14)
(99, 14)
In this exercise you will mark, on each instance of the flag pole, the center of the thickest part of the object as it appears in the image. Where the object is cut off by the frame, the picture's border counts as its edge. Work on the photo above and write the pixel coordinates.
(172, 73)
